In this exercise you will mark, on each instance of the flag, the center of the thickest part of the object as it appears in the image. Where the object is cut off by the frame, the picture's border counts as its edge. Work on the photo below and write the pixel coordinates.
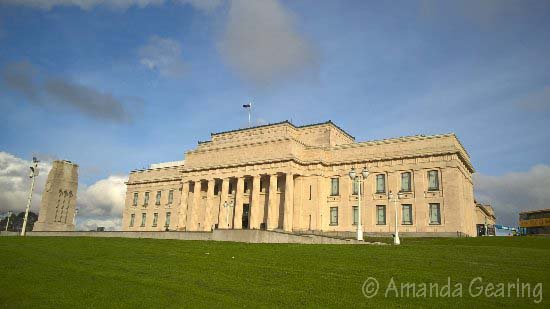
(247, 105)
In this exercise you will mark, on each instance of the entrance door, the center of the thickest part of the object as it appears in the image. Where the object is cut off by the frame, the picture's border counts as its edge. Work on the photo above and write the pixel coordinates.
(246, 215)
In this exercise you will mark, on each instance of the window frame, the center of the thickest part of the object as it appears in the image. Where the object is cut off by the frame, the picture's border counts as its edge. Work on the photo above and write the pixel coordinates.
(378, 208)
(410, 187)
(143, 219)
(170, 197)
(334, 180)
(155, 219)
(437, 182)
(335, 222)
(158, 197)
(132, 219)
(146, 199)
(438, 213)
(383, 178)
(167, 218)
(355, 186)
(410, 210)
(135, 199)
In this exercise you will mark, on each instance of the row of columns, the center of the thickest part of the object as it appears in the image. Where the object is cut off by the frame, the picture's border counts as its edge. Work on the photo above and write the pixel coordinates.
(194, 216)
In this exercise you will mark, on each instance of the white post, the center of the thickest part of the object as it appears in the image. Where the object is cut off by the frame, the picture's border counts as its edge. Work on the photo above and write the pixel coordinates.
(33, 176)
(396, 240)
(8, 222)
(359, 226)
(74, 218)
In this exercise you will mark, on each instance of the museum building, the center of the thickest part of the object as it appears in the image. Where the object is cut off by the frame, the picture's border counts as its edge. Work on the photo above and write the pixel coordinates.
(296, 178)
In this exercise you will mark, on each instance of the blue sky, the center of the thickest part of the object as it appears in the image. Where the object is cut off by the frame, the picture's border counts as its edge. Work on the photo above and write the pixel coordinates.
(172, 72)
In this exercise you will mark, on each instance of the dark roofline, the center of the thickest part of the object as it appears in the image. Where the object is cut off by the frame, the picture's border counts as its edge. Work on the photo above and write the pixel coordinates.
(287, 122)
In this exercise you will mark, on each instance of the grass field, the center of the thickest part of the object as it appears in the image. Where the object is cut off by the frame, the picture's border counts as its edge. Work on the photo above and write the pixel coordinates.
(115, 272)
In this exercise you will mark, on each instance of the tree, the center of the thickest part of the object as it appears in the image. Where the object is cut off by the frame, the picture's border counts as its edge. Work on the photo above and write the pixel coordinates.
(16, 222)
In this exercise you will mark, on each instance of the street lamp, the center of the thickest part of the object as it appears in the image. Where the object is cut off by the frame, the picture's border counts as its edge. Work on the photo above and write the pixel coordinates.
(8, 222)
(227, 208)
(34, 173)
(360, 179)
(396, 240)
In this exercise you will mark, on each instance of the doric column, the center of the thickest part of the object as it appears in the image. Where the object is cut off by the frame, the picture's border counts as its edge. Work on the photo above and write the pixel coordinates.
(223, 215)
(273, 206)
(208, 220)
(196, 210)
(182, 220)
(255, 219)
(238, 220)
(289, 202)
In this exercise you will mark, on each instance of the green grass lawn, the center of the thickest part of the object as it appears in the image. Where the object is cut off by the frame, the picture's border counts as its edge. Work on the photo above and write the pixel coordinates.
(116, 272)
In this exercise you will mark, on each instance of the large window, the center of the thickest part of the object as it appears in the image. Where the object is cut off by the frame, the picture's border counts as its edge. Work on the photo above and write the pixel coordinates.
(433, 180)
(407, 214)
(333, 215)
(435, 213)
(143, 219)
(335, 186)
(406, 182)
(155, 219)
(355, 215)
(167, 224)
(381, 214)
(135, 201)
(157, 199)
(355, 188)
(246, 186)
(132, 219)
(146, 200)
(380, 183)
(170, 196)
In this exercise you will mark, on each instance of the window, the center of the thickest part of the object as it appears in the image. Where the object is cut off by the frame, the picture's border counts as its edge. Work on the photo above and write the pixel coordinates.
(335, 186)
(157, 200)
(406, 182)
(132, 219)
(170, 196)
(333, 215)
(381, 214)
(167, 219)
(246, 186)
(143, 219)
(231, 187)
(407, 214)
(433, 180)
(136, 196)
(355, 188)
(355, 215)
(263, 185)
(380, 183)
(146, 200)
(435, 213)
(279, 184)
(155, 219)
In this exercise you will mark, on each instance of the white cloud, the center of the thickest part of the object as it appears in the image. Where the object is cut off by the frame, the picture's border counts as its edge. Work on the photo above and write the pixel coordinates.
(99, 204)
(205, 5)
(163, 55)
(261, 42)
(514, 192)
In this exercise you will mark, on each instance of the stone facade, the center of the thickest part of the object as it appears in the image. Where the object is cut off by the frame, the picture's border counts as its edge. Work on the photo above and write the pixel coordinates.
(295, 178)
(57, 209)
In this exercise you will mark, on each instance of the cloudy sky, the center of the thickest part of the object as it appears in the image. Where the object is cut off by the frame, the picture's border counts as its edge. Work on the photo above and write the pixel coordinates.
(117, 85)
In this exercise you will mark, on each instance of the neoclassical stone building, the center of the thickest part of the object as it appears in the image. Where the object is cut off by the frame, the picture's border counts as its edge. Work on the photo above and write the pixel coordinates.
(295, 178)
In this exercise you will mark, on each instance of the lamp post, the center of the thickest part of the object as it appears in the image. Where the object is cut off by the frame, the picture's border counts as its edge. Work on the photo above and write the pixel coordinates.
(34, 173)
(8, 222)
(227, 208)
(396, 240)
(360, 179)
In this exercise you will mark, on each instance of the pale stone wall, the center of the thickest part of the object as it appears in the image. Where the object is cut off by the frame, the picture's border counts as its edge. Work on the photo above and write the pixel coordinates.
(57, 208)
(296, 165)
